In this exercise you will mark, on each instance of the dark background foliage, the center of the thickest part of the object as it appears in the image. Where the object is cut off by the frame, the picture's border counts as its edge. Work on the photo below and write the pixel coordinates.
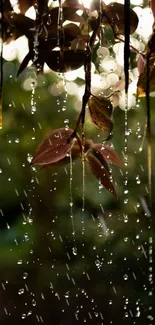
(109, 275)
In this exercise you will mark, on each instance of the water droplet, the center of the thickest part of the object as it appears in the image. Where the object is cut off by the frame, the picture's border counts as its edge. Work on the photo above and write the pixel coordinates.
(125, 277)
(126, 201)
(66, 295)
(26, 236)
(21, 291)
(23, 316)
(33, 302)
(66, 121)
(74, 250)
(126, 219)
(29, 313)
(25, 275)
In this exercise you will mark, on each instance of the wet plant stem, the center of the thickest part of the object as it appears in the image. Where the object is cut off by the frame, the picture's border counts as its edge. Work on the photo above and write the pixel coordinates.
(1, 54)
(87, 68)
(149, 146)
(60, 29)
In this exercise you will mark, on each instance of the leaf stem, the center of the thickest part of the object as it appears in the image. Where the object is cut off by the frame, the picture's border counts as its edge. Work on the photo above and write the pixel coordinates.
(87, 67)
(149, 146)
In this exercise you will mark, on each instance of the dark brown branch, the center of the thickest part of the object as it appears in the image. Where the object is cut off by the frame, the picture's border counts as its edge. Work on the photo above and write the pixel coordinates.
(149, 146)
(87, 67)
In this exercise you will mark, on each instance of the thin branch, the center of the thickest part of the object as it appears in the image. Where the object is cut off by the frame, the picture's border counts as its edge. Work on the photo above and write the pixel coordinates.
(87, 67)
(149, 146)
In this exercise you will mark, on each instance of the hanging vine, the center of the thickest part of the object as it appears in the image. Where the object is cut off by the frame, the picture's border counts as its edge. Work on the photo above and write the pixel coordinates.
(68, 46)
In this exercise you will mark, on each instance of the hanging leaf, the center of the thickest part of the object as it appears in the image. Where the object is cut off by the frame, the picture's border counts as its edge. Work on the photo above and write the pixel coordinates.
(88, 144)
(151, 43)
(76, 18)
(73, 4)
(24, 63)
(71, 31)
(115, 12)
(9, 32)
(152, 6)
(75, 153)
(141, 85)
(108, 153)
(101, 174)
(71, 60)
(141, 64)
(68, 13)
(7, 6)
(78, 44)
(100, 109)
(19, 25)
(24, 5)
(97, 153)
(53, 148)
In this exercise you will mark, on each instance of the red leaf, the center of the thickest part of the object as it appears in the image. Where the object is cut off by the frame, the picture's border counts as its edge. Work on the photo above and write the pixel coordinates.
(109, 154)
(73, 4)
(75, 153)
(98, 154)
(152, 5)
(140, 64)
(101, 174)
(53, 148)
(101, 109)
(24, 5)
(115, 11)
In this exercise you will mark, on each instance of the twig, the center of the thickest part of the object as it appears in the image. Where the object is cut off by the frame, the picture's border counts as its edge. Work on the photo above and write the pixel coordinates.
(149, 146)
(87, 67)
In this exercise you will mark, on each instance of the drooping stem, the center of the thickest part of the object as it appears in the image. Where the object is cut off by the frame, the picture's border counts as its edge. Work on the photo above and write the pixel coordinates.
(127, 43)
(87, 67)
(149, 146)
(71, 204)
(1, 56)
(131, 46)
(41, 8)
(60, 37)
(126, 69)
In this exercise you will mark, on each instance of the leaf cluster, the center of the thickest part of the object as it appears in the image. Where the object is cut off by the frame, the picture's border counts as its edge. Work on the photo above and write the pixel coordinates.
(62, 34)
(64, 40)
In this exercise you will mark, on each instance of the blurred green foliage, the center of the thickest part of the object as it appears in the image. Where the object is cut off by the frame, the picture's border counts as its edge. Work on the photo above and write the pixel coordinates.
(41, 279)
